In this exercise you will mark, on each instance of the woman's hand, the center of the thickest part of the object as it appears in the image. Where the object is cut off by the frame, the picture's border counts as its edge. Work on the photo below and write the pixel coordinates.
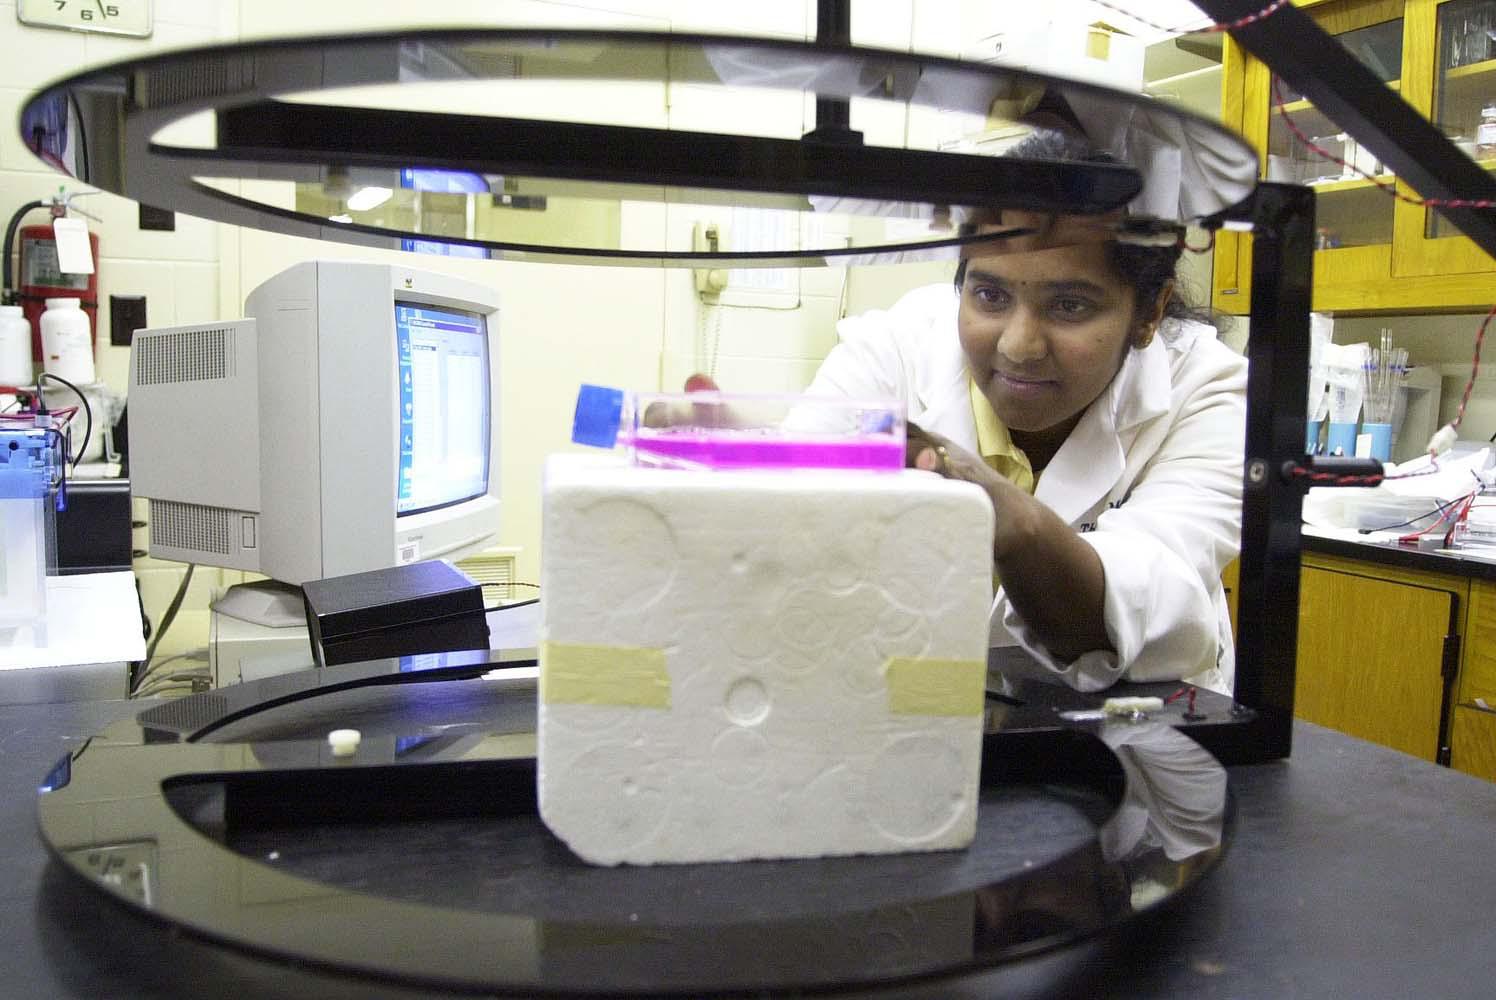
(659, 414)
(929, 451)
(933, 453)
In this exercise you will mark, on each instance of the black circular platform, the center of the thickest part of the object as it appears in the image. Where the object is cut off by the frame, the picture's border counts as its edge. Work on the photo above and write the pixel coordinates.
(423, 862)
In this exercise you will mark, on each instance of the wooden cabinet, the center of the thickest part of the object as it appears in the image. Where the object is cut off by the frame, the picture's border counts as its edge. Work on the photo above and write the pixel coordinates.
(1378, 254)
(1378, 652)
(1473, 728)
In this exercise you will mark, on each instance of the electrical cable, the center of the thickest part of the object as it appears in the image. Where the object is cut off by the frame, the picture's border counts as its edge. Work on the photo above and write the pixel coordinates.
(10, 236)
(1389, 187)
(1412, 520)
(167, 618)
(186, 685)
(172, 681)
(199, 654)
(1240, 22)
(169, 682)
(87, 410)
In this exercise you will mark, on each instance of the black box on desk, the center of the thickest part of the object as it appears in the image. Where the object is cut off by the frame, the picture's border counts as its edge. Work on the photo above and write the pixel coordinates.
(425, 607)
(93, 533)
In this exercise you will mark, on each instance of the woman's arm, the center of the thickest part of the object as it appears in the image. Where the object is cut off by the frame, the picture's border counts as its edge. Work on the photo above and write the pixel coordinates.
(1053, 579)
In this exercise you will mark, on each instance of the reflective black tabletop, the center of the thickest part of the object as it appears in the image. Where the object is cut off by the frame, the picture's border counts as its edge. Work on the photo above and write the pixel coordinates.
(422, 860)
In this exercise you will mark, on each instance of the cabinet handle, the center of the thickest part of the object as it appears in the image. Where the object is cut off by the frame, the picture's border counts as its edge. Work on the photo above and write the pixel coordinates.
(1479, 705)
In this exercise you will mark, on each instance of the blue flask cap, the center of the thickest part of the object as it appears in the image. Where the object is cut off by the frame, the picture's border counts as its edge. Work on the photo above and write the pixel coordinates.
(599, 412)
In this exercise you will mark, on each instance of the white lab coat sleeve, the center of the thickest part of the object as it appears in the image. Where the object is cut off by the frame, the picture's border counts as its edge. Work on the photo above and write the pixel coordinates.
(1163, 549)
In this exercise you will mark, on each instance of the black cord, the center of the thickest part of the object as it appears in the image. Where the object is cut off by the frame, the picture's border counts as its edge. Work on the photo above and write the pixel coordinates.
(87, 410)
(137, 667)
(1413, 520)
(166, 620)
(10, 236)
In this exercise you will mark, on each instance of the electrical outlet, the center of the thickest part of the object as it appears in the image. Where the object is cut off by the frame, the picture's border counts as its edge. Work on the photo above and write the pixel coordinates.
(126, 315)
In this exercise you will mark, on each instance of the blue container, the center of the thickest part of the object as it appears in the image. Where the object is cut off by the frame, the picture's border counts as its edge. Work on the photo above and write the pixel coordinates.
(27, 458)
(1381, 440)
(1342, 440)
(1312, 429)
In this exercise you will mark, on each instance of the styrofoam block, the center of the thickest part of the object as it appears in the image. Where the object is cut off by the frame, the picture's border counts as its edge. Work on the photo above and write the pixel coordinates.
(760, 664)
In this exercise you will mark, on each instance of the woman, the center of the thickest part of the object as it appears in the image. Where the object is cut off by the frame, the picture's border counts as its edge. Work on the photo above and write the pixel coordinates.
(1065, 377)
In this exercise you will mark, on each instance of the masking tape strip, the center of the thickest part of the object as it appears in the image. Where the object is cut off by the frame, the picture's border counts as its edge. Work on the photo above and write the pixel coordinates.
(603, 675)
(936, 687)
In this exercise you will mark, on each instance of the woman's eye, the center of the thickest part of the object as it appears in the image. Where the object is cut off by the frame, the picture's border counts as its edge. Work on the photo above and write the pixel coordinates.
(1074, 308)
(989, 296)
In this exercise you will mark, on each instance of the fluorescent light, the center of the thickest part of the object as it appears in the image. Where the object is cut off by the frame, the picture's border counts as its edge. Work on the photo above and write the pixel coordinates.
(366, 198)
(340, 218)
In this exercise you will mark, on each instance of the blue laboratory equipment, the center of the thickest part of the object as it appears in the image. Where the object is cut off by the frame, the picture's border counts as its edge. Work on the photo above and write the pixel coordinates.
(30, 492)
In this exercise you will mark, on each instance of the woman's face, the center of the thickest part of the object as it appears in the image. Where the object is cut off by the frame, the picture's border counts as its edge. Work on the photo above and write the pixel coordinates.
(1044, 331)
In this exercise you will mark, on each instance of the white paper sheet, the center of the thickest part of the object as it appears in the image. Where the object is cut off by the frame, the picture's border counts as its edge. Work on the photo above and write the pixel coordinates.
(91, 618)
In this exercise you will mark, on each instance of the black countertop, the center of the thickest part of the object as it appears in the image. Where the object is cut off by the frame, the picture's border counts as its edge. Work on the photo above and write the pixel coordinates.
(1475, 564)
(1354, 871)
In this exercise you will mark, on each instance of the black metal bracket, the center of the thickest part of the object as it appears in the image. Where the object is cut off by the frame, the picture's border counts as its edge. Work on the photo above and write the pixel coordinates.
(1277, 394)
(834, 114)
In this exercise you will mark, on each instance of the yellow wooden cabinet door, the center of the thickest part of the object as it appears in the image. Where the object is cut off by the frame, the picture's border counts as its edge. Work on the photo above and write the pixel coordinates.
(1373, 656)
(1473, 742)
(1473, 730)
(1478, 674)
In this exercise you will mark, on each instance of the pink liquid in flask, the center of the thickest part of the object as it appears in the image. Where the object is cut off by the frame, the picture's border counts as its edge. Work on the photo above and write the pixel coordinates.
(757, 449)
(720, 431)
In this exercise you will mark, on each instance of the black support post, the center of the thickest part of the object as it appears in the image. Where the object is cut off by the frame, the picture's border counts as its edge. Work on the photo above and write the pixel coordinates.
(833, 115)
(1277, 394)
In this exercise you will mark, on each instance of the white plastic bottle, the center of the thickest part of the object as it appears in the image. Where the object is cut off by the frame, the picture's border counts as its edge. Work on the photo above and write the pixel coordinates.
(67, 342)
(1485, 134)
(15, 347)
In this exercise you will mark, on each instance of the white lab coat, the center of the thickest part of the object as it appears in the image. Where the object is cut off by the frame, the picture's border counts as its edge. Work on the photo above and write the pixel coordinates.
(1151, 476)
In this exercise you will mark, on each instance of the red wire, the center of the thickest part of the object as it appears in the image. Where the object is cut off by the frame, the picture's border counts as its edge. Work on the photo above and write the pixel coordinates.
(1444, 514)
(1240, 22)
(1455, 522)
(1480, 336)
(1386, 186)
(1300, 472)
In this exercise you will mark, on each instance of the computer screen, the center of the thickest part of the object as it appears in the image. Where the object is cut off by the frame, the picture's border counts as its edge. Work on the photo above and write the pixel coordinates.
(351, 424)
(442, 358)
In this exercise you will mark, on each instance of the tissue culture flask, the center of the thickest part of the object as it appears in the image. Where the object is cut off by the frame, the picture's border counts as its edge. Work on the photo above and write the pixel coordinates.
(714, 430)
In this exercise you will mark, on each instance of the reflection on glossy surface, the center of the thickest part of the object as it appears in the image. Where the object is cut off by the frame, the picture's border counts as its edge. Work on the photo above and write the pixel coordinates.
(432, 137)
(422, 856)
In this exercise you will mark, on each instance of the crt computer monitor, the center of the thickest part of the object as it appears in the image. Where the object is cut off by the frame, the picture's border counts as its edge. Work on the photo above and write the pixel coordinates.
(347, 424)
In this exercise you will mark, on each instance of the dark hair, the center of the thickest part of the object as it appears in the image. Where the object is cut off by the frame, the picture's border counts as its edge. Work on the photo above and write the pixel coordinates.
(1146, 269)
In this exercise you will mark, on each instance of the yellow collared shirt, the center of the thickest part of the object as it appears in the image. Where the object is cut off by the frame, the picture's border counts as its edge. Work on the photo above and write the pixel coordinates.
(995, 444)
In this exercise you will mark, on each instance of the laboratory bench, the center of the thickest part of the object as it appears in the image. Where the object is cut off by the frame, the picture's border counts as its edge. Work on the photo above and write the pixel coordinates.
(1353, 870)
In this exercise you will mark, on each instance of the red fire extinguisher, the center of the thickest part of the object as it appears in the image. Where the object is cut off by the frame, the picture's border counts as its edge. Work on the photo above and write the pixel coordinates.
(39, 278)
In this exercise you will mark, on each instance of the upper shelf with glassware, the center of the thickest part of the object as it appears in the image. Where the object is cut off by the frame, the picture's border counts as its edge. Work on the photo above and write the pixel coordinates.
(1379, 253)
